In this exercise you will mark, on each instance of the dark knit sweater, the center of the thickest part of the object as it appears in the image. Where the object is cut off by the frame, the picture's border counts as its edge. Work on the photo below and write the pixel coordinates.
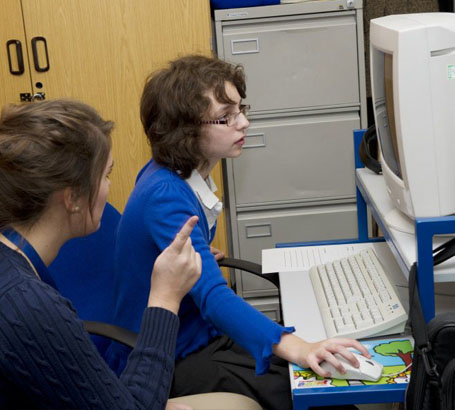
(47, 360)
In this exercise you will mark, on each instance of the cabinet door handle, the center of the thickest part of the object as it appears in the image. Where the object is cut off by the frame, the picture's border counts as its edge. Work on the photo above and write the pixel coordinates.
(20, 57)
(35, 41)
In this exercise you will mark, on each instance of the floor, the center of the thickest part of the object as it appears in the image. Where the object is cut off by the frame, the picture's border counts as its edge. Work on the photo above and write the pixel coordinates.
(385, 406)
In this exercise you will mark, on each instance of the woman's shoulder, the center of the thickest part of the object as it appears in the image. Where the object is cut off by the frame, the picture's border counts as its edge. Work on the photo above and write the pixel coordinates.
(19, 283)
(14, 269)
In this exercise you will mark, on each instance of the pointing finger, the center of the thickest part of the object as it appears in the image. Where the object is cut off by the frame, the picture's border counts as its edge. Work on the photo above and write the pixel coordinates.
(184, 233)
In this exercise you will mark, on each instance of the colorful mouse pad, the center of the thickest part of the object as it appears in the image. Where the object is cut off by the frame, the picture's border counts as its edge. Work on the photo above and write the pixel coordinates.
(394, 354)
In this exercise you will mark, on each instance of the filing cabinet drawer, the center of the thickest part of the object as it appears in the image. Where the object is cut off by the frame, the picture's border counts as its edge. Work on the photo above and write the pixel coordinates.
(296, 62)
(296, 158)
(263, 229)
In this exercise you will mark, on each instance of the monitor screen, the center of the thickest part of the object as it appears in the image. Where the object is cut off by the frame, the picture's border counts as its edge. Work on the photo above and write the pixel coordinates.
(385, 118)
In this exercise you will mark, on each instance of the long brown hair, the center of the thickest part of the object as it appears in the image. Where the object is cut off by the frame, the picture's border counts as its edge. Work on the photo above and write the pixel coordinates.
(173, 103)
(45, 147)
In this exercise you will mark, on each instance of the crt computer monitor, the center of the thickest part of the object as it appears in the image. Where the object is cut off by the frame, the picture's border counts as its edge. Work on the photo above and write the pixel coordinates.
(412, 61)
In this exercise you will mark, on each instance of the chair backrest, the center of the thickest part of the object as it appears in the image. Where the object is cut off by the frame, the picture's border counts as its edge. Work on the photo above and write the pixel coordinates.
(84, 269)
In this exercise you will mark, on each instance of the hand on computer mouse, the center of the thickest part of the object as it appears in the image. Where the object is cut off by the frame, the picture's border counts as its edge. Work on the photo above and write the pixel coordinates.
(306, 354)
(368, 369)
(325, 351)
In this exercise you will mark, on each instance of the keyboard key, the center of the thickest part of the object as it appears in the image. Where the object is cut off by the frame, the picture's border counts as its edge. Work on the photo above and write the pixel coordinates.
(335, 313)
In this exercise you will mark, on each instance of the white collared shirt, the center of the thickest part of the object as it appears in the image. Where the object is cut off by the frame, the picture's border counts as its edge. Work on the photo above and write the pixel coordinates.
(204, 190)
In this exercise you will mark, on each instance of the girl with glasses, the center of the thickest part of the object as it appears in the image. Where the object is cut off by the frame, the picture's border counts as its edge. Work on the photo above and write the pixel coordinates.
(194, 115)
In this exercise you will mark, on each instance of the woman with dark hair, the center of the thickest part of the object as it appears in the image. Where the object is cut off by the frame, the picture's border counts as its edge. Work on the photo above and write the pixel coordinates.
(55, 160)
(193, 116)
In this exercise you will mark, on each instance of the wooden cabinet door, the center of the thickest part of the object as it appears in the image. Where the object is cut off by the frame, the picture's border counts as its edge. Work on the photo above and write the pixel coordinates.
(100, 52)
(12, 32)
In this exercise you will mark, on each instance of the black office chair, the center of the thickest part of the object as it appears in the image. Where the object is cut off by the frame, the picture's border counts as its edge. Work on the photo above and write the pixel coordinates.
(128, 338)
(113, 332)
(90, 260)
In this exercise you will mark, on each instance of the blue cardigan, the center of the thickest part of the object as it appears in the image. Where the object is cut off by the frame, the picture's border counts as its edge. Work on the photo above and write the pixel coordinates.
(158, 207)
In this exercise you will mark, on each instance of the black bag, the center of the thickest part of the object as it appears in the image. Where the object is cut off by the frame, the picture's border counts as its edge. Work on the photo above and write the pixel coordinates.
(432, 384)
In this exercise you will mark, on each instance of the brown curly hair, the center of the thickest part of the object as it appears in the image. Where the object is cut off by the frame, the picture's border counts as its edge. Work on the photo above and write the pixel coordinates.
(45, 147)
(173, 103)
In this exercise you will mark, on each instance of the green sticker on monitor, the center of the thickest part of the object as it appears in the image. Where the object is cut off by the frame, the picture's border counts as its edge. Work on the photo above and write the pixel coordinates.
(451, 71)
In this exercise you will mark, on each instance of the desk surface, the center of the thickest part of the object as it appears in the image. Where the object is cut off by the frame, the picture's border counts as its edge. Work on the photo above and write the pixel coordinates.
(299, 304)
(301, 311)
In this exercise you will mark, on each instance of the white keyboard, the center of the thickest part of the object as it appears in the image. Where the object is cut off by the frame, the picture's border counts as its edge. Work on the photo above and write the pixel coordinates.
(355, 297)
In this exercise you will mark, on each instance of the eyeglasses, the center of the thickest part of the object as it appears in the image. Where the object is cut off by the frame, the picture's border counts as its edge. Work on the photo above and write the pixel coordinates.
(230, 119)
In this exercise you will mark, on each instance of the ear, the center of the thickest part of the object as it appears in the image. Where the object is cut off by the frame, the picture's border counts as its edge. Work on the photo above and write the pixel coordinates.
(71, 200)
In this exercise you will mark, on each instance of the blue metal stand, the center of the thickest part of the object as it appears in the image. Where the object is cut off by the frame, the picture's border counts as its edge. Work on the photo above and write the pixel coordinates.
(425, 229)
(362, 221)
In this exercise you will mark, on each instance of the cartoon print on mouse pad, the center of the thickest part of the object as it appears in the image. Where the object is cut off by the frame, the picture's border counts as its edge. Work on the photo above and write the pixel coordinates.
(395, 356)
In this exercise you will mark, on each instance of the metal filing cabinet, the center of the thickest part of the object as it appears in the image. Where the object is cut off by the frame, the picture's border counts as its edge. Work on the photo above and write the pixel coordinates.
(305, 72)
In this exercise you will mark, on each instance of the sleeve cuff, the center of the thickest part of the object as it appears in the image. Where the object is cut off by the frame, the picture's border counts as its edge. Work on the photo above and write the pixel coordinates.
(159, 328)
(262, 365)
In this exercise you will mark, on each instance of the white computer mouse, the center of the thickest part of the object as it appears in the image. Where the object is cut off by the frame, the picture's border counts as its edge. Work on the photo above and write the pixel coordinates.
(369, 369)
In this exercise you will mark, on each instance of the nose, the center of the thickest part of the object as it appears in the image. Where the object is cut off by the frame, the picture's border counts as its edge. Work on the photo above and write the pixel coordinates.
(242, 121)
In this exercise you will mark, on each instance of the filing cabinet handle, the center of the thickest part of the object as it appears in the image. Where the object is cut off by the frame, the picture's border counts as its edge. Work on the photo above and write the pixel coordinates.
(20, 58)
(258, 231)
(255, 140)
(245, 46)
